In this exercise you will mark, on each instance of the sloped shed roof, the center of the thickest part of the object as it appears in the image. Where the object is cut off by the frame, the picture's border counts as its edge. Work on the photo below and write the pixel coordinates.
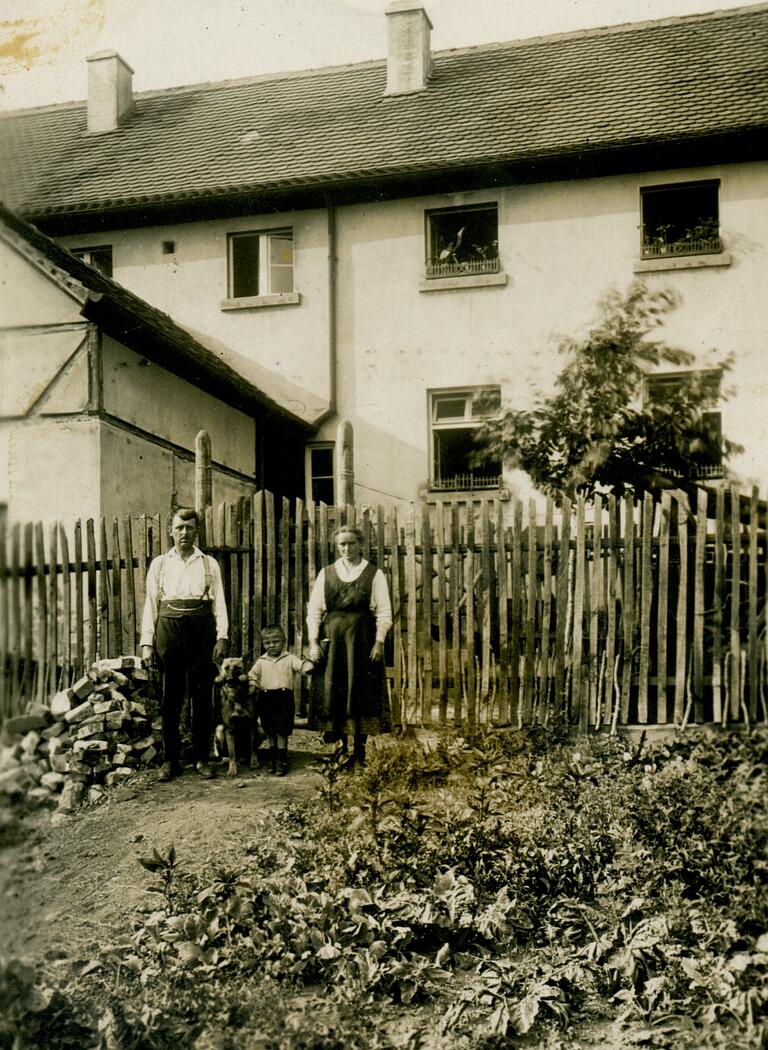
(503, 108)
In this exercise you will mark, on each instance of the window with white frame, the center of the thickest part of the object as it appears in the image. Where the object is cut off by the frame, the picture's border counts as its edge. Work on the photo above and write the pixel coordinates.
(319, 473)
(681, 219)
(462, 241)
(456, 417)
(671, 387)
(260, 263)
(100, 257)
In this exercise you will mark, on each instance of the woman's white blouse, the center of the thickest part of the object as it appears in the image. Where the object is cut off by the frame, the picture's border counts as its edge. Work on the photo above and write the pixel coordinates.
(381, 606)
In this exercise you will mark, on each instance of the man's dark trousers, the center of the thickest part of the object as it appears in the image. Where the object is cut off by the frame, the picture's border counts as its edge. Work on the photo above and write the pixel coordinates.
(184, 647)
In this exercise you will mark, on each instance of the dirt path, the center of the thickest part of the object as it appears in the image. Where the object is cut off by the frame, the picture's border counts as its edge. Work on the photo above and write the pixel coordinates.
(68, 887)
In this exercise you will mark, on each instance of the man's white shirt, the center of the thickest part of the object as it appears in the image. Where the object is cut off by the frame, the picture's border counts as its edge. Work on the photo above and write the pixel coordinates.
(183, 579)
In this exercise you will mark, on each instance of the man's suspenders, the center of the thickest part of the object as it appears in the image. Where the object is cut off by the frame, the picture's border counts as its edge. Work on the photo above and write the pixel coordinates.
(207, 594)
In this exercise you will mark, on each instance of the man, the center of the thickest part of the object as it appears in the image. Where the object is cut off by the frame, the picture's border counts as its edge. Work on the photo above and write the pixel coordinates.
(185, 628)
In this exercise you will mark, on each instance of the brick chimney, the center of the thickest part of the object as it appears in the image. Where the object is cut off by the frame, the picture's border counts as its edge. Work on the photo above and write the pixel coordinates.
(409, 58)
(110, 91)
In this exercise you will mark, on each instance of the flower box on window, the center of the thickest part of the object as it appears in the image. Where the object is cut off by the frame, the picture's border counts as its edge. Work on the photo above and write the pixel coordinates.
(467, 482)
(462, 269)
(709, 246)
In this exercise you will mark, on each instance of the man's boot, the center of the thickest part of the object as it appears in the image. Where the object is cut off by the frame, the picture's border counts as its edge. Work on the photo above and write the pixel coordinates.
(359, 753)
(282, 762)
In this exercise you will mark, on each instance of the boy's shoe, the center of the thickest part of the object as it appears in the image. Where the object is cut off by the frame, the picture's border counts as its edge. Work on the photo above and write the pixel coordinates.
(282, 763)
(168, 771)
(204, 770)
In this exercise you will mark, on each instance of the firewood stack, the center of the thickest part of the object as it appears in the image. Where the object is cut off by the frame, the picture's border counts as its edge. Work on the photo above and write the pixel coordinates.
(94, 735)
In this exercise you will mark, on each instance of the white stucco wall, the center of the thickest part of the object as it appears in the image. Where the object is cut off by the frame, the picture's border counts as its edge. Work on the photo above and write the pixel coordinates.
(562, 245)
(26, 295)
(50, 469)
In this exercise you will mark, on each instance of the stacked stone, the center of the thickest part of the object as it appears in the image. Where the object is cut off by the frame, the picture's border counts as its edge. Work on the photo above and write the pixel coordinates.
(94, 735)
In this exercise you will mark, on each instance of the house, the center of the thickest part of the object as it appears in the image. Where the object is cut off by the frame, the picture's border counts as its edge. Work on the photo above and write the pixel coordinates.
(400, 242)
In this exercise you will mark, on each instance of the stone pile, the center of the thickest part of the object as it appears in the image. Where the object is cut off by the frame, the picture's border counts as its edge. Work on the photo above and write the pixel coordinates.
(94, 735)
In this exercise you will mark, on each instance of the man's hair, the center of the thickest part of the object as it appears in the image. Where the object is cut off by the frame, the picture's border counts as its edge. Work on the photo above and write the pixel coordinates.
(348, 528)
(186, 514)
(273, 628)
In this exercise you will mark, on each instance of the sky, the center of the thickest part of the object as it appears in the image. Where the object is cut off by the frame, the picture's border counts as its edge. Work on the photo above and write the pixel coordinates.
(44, 43)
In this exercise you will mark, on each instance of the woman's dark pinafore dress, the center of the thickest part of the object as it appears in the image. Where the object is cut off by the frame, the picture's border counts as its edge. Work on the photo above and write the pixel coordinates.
(352, 697)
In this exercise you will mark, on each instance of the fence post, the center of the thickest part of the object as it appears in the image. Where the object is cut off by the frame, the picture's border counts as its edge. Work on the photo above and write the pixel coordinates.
(203, 481)
(344, 467)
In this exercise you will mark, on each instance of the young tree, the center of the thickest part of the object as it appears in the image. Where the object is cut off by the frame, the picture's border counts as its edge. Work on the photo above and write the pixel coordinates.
(593, 432)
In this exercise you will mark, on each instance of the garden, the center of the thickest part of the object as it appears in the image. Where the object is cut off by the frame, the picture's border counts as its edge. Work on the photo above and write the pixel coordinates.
(500, 889)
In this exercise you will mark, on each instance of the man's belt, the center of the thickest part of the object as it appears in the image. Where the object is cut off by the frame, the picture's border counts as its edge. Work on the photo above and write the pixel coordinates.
(194, 608)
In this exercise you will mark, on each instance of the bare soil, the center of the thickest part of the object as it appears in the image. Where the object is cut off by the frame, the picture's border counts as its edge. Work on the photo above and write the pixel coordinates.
(68, 886)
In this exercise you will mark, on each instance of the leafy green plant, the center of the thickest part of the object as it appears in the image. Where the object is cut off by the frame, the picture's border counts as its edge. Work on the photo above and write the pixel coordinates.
(164, 866)
(332, 767)
(35, 1012)
(592, 433)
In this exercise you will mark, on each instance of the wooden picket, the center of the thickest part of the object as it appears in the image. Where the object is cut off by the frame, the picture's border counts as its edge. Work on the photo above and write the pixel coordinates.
(593, 615)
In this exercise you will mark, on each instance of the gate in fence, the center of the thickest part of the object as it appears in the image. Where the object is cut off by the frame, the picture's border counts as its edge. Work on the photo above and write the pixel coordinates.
(593, 615)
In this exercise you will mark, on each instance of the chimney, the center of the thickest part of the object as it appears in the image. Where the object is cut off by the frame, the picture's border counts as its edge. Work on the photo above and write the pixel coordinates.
(409, 58)
(110, 91)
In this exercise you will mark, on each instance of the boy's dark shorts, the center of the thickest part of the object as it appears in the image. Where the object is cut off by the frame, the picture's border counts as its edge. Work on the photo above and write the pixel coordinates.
(276, 709)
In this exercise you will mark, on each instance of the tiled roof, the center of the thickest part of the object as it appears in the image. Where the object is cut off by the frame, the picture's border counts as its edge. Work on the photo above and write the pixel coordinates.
(678, 80)
(138, 325)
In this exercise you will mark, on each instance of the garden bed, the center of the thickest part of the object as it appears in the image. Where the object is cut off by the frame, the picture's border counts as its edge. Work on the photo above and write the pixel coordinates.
(497, 891)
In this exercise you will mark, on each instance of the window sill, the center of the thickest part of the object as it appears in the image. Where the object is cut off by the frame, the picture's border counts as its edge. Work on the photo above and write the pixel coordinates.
(251, 302)
(474, 280)
(682, 262)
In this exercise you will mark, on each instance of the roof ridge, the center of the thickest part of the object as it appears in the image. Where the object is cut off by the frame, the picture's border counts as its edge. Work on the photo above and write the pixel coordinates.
(279, 75)
(618, 27)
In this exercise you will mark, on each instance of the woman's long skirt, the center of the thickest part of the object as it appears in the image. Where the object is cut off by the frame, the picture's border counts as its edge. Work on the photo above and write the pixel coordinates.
(349, 696)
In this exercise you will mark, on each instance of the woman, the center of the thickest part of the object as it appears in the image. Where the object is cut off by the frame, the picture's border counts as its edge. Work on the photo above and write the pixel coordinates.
(350, 600)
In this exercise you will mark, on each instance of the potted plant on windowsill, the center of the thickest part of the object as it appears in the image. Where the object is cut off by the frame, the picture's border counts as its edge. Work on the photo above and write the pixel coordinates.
(700, 239)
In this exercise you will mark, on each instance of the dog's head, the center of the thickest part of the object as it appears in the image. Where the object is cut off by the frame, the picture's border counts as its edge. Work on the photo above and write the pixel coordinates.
(231, 671)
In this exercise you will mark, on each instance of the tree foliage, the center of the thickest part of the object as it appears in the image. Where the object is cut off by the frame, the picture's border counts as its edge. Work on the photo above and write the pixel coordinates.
(593, 432)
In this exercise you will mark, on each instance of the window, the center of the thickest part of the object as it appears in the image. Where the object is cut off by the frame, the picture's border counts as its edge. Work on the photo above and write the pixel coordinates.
(260, 263)
(99, 258)
(320, 488)
(681, 220)
(462, 241)
(455, 419)
(676, 386)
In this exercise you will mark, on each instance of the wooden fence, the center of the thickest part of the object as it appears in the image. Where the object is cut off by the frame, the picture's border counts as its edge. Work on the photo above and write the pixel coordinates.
(594, 615)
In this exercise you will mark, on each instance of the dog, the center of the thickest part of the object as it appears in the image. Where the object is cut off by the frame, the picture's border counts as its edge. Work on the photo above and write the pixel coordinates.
(239, 734)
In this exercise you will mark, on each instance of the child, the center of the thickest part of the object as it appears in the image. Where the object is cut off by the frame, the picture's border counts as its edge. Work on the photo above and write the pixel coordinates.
(272, 675)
